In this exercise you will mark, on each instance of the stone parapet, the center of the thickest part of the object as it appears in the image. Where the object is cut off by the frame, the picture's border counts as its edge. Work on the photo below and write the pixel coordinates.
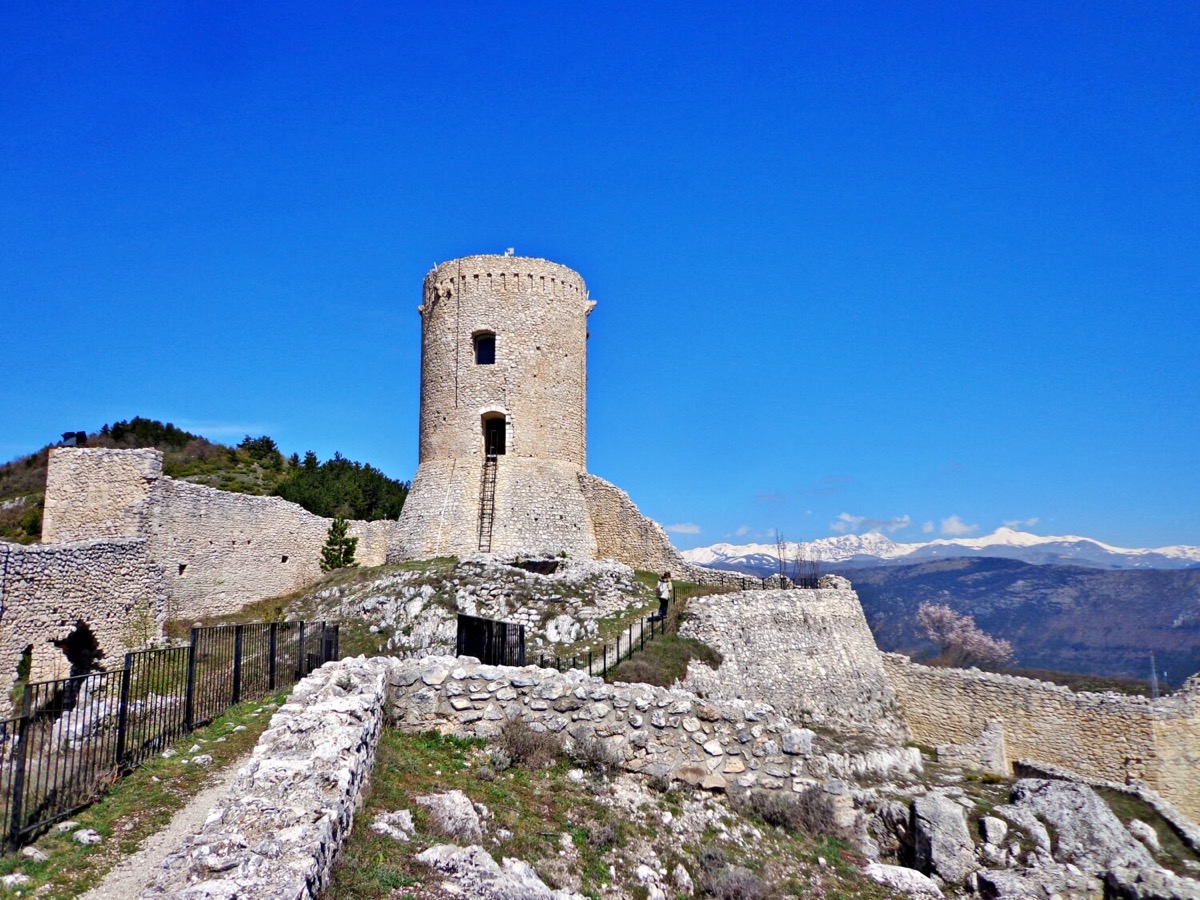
(809, 650)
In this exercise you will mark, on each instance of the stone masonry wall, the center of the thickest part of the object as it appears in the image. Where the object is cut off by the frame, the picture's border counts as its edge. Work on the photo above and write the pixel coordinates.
(218, 550)
(810, 651)
(280, 827)
(623, 533)
(45, 591)
(1112, 737)
(97, 493)
(537, 311)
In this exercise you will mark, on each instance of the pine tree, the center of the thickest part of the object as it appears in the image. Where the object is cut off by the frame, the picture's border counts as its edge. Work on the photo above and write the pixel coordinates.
(338, 552)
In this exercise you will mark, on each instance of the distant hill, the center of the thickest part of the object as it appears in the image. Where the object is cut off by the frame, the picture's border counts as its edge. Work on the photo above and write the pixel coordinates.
(337, 486)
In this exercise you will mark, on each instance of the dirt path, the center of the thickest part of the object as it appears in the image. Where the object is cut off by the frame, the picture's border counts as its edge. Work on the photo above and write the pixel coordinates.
(130, 876)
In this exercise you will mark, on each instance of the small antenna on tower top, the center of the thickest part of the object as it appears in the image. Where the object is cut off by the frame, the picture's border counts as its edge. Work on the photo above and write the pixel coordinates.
(510, 251)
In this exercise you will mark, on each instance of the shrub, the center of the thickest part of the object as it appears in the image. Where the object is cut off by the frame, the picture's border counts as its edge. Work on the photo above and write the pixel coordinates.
(735, 883)
(809, 812)
(526, 747)
(594, 754)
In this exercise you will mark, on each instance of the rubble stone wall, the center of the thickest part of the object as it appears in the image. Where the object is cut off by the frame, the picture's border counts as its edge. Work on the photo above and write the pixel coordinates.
(280, 826)
(810, 651)
(623, 533)
(46, 591)
(217, 550)
(1112, 737)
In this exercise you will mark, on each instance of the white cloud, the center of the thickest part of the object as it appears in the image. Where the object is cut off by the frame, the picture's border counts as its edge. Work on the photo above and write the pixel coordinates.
(742, 531)
(847, 522)
(1022, 523)
(956, 527)
(927, 527)
(683, 528)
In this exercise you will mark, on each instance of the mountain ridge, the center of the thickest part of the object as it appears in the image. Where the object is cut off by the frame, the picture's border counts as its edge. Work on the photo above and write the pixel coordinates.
(874, 548)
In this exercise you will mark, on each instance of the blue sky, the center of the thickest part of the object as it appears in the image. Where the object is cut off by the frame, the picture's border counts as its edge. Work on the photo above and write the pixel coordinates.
(927, 267)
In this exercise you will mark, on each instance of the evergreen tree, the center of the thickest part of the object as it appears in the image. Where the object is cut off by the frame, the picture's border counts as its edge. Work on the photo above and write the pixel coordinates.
(338, 552)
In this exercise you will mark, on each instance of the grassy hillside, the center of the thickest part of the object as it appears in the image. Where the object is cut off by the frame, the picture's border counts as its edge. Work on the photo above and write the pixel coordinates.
(255, 466)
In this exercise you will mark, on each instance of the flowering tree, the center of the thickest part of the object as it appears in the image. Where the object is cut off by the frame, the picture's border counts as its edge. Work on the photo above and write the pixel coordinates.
(959, 640)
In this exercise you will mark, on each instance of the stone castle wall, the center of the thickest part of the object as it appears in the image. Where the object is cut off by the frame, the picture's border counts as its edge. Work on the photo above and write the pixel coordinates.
(1111, 737)
(623, 533)
(217, 550)
(46, 591)
(809, 651)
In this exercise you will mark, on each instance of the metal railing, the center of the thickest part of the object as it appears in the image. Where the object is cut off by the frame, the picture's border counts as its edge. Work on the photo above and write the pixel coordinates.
(76, 736)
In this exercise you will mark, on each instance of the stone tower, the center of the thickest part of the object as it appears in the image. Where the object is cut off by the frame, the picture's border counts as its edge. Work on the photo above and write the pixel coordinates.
(503, 431)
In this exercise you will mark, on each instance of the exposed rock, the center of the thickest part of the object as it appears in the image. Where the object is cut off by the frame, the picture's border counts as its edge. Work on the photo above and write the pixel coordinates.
(1129, 883)
(396, 825)
(910, 881)
(942, 845)
(86, 836)
(1088, 833)
(454, 815)
(1145, 834)
(473, 871)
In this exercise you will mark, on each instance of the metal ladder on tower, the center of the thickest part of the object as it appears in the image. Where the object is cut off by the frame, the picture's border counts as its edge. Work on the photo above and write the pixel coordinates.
(487, 503)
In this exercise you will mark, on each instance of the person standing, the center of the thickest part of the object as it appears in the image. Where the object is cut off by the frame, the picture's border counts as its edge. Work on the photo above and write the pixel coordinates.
(664, 594)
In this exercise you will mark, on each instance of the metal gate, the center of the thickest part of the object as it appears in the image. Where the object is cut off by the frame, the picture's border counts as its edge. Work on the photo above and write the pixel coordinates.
(492, 642)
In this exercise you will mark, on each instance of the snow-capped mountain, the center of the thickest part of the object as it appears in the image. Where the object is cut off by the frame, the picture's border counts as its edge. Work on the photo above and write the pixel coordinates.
(873, 549)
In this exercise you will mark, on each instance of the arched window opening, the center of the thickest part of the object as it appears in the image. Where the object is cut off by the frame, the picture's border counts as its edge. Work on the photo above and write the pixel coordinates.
(485, 348)
(494, 428)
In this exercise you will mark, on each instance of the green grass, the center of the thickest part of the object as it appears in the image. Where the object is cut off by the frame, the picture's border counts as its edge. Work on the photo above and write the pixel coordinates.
(137, 806)
(535, 807)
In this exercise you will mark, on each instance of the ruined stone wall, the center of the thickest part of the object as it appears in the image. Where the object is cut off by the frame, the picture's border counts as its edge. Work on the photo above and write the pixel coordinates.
(217, 550)
(95, 493)
(809, 651)
(623, 533)
(1112, 737)
(279, 828)
(46, 591)
(221, 550)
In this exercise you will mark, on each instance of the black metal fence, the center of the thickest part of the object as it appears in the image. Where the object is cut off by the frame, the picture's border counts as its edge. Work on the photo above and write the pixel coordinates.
(76, 736)
(492, 642)
(632, 639)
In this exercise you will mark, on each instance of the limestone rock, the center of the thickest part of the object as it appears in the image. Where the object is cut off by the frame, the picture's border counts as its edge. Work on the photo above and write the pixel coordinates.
(1145, 834)
(1089, 834)
(942, 845)
(898, 878)
(474, 872)
(994, 830)
(1130, 883)
(396, 825)
(454, 815)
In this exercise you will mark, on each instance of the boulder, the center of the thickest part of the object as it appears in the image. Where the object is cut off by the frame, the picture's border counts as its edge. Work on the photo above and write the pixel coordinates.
(1088, 833)
(1131, 883)
(454, 815)
(942, 845)
(899, 878)
(473, 872)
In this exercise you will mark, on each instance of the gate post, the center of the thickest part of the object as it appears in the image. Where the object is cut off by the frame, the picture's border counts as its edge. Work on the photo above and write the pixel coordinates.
(123, 709)
(237, 665)
(272, 645)
(18, 784)
(189, 702)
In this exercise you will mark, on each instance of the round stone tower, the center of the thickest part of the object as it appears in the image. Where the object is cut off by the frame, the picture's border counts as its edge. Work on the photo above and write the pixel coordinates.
(503, 432)
(504, 361)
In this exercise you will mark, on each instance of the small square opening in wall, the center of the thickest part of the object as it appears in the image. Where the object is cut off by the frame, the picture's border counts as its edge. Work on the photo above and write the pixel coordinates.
(485, 348)
(283, 558)
(182, 568)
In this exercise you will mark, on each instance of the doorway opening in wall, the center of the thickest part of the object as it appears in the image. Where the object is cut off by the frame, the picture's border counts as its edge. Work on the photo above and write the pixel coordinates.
(83, 652)
(493, 435)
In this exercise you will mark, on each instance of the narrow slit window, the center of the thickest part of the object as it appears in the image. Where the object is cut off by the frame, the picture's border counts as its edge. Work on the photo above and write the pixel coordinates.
(485, 349)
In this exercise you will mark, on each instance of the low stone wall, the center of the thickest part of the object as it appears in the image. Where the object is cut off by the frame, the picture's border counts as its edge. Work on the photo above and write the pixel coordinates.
(278, 830)
(47, 591)
(1111, 737)
(809, 650)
